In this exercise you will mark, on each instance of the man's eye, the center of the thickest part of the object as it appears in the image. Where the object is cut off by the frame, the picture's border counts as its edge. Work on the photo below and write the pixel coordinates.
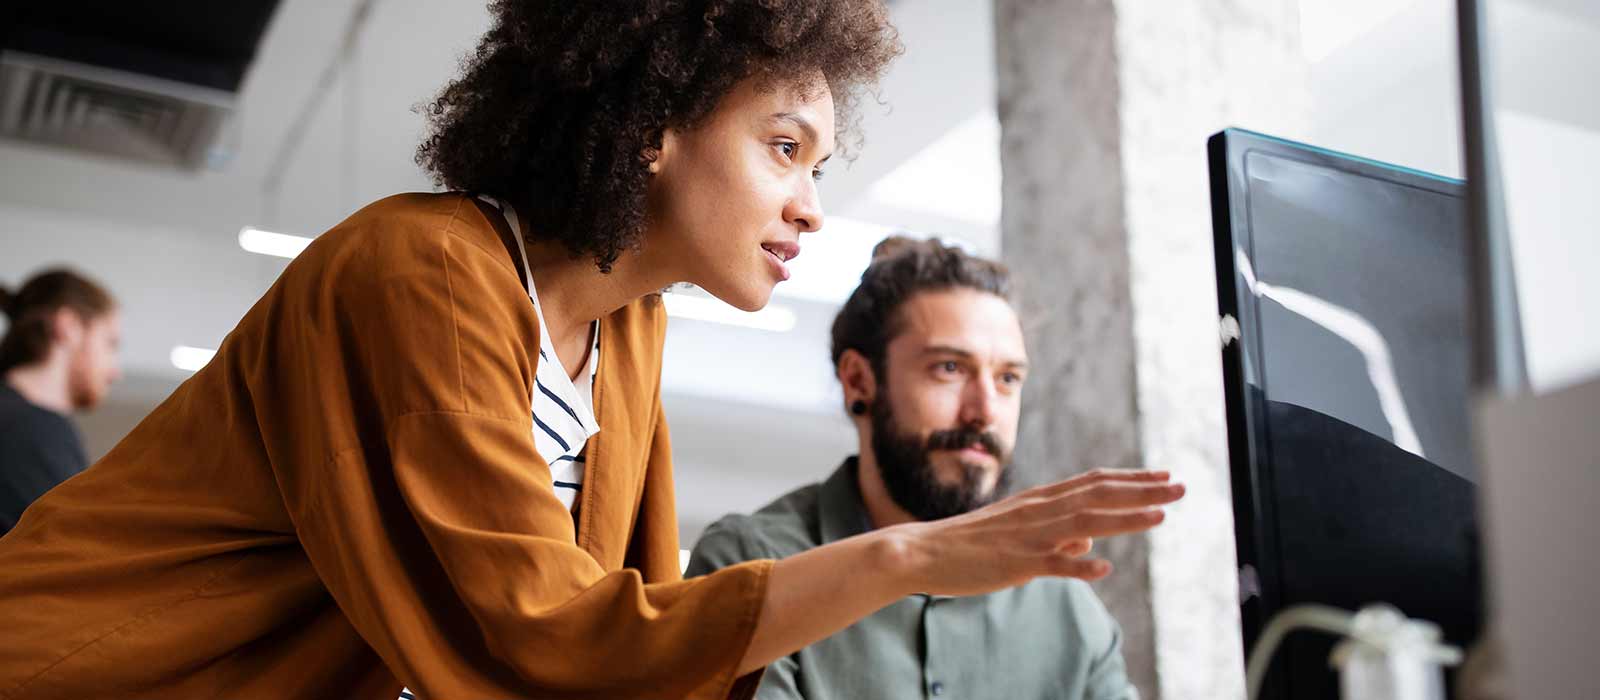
(949, 367)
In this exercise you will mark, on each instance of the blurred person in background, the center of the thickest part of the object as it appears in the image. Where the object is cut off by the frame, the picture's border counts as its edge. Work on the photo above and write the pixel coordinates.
(58, 356)
(433, 454)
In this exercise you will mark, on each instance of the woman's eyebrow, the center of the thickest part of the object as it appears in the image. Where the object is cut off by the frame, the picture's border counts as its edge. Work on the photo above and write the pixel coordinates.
(804, 125)
(798, 120)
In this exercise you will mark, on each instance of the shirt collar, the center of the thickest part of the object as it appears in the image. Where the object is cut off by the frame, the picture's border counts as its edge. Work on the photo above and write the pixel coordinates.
(550, 371)
(840, 510)
(842, 513)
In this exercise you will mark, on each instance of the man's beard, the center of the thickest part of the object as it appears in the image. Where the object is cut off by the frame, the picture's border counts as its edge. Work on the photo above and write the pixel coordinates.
(909, 477)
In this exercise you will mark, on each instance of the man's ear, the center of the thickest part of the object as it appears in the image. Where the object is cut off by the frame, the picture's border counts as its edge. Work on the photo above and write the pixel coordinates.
(857, 378)
(67, 328)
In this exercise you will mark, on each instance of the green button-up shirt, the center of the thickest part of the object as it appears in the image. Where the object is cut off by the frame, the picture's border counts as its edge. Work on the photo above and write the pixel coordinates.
(1050, 638)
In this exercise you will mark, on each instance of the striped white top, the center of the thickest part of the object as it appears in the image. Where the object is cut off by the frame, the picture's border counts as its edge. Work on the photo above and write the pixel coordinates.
(563, 409)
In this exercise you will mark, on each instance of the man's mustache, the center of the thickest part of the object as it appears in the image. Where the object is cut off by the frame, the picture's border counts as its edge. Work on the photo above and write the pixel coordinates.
(961, 438)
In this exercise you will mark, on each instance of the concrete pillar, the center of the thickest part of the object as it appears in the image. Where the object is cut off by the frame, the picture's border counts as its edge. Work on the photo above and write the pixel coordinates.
(1104, 108)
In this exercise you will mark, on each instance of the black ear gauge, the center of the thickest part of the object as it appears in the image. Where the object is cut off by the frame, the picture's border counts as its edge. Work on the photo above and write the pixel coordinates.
(858, 407)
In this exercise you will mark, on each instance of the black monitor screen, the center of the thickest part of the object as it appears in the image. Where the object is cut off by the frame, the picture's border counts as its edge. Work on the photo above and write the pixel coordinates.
(1347, 389)
(1360, 288)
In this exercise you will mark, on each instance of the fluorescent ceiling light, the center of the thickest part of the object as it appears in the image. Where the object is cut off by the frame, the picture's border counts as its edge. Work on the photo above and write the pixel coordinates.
(955, 177)
(777, 319)
(281, 245)
(191, 359)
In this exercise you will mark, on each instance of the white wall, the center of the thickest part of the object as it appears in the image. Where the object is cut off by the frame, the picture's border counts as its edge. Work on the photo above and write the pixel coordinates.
(166, 298)
(1551, 186)
(1392, 94)
(1546, 66)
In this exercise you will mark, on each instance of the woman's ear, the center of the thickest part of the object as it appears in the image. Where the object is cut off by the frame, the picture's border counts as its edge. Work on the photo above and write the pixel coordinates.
(657, 157)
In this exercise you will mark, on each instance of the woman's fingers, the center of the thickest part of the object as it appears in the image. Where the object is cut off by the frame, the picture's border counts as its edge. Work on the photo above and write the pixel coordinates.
(1100, 476)
(1049, 530)
(1075, 547)
(1114, 495)
(1105, 523)
(1074, 567)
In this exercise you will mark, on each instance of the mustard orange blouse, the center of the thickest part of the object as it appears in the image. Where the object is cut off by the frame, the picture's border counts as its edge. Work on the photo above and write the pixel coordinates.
(348, 499)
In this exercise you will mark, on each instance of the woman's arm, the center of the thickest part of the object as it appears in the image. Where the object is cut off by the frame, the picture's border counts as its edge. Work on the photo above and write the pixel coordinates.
(1041, 532)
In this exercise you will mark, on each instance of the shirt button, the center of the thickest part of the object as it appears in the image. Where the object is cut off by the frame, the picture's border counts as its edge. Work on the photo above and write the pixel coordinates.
(937, 688)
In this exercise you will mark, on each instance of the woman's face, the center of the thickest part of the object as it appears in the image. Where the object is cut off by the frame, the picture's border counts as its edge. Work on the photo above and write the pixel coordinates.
(730, 197)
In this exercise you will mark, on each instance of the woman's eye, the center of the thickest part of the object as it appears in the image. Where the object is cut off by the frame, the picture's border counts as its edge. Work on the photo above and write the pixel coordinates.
(817, 174)
(788, 148)
(949, 367)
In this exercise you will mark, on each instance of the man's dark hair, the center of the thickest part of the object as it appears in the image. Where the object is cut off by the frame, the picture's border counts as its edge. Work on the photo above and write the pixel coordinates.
(31, 309)
(902, 268)
(564, 103)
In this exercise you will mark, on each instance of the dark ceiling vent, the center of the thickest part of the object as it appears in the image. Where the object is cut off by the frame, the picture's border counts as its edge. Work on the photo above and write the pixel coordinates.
(157, 83)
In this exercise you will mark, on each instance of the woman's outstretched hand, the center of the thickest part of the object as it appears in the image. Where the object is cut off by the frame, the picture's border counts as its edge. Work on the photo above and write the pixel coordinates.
(1044, 531)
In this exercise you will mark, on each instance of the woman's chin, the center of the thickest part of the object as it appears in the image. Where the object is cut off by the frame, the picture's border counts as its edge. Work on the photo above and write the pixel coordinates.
(755, 300)
(750, 296)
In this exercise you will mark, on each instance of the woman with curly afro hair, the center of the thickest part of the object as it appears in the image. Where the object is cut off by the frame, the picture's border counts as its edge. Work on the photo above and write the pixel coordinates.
(433, 454)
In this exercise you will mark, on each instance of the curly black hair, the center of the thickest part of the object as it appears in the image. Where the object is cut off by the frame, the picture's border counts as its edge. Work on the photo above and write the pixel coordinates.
(564, 102)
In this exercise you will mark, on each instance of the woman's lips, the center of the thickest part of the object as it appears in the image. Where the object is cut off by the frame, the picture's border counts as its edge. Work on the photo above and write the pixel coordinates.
(780, 253)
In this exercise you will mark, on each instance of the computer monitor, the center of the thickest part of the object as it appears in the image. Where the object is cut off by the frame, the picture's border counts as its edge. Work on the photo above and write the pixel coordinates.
(1342, 284)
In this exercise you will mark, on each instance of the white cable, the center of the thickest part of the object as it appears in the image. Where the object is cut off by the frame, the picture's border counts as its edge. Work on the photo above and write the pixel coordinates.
(1378, 626)
(1318, 617)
